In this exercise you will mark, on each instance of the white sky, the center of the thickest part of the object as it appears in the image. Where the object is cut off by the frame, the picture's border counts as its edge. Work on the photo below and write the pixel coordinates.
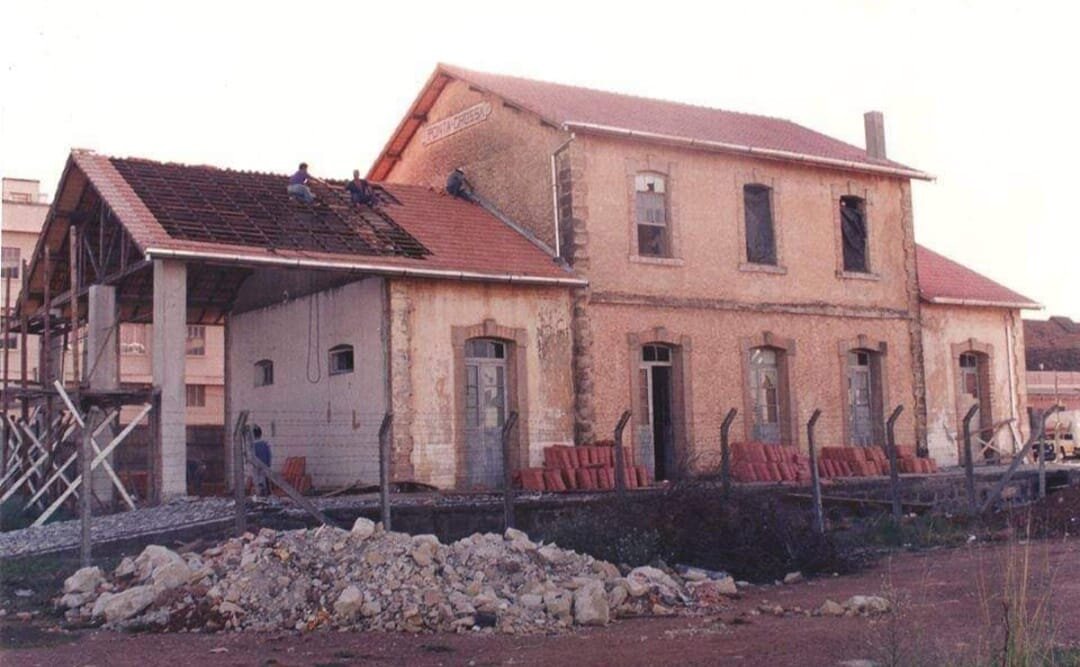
(981, 94)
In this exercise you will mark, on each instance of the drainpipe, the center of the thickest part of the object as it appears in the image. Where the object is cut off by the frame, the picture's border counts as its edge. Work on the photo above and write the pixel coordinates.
(555, 193)
(1009, 342)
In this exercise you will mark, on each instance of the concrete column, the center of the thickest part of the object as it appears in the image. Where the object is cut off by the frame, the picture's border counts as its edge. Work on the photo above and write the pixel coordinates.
(102, 370)
(102, 339)
(170, 333)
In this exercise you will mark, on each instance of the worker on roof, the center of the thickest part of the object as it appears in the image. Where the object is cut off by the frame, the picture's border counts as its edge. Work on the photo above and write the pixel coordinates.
(360, 190)
(298, 184)
(458, 185)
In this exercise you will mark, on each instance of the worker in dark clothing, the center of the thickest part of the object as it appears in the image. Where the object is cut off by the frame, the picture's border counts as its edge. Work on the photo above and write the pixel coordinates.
(298, 184)
(360, 190)
(458, 185)
(262, 452)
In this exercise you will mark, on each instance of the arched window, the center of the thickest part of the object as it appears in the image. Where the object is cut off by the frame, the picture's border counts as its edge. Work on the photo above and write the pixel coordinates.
(264, 373)
(341, 359)
(651, 215)
(760, 236)
(854, 232)
(765, 394)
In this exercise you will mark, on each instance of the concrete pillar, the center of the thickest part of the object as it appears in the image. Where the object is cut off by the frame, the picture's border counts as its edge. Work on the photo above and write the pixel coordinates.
(102, 340)
(102, 369)
(170, 333)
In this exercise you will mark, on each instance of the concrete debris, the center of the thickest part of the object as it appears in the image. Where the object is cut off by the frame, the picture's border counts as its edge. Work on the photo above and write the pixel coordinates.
(831, 608)
(84, 580)
(793, 578)
(367, 578)
(867, 605)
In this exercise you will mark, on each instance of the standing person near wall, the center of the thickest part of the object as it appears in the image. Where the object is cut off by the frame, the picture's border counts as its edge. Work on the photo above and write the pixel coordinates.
(262, 452)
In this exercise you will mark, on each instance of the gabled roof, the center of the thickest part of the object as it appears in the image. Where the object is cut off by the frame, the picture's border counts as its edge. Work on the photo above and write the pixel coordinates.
(944, 281)
(587, 110)
(201, 212)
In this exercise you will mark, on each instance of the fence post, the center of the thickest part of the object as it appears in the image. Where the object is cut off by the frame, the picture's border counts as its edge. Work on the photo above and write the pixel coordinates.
(819, 512)
(894, 473)
(725, 454)
(620, 460)
(86, 455)
(1036, 434)
(239, 495)
(384, 469)
(1040, 452)
(969, 464)
(508, 472)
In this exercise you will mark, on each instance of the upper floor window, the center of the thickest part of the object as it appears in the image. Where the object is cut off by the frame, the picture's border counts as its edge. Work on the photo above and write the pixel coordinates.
(196, 341)
(132, 339)
(651, 215)
(195, 395)
(760, 238)
(264, 373)
(9, 263)
(853, 230)
(341, 359)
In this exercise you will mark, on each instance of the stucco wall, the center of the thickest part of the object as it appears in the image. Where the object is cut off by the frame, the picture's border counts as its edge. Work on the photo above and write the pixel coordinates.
(506, 157)
(332, 420)
(946, 331)
(705, 193)
(429, 320)
(713, 348)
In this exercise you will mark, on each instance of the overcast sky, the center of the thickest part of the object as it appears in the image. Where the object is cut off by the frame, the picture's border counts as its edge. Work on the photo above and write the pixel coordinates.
(981, 94)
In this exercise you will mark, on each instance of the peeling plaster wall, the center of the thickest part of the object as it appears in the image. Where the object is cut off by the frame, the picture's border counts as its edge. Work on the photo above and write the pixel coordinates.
(943, 328)
(506, 157)
(427, 397)
(315, 419)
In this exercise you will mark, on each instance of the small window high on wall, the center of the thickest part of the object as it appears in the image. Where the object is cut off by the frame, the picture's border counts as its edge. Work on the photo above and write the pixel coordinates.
(264, 373)
(341, 359)
(651, 215)
(760, 236)
(855, 234)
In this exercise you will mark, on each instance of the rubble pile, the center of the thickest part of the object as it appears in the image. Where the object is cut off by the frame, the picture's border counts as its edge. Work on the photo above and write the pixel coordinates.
(367, 578)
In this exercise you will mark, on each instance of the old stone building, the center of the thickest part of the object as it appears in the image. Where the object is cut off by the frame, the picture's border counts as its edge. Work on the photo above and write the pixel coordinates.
(733, 261)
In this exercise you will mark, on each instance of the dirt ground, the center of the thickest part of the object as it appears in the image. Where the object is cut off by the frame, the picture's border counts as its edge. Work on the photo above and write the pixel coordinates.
(948, 609)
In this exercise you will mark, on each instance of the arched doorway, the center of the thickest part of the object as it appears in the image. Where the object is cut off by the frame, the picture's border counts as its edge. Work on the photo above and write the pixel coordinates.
(657, 405)
(973, 372)
(486, 408)
(865, 404)
(765, 395)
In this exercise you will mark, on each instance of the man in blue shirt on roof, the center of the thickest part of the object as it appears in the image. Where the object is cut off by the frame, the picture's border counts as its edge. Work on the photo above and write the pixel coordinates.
(298, 186)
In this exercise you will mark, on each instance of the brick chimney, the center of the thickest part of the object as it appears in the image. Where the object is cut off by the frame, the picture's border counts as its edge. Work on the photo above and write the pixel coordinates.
(875, 134)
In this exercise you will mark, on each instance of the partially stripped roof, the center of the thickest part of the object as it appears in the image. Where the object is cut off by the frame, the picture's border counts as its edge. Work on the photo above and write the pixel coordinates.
(941, 280)
(587, 110)
(220, 214)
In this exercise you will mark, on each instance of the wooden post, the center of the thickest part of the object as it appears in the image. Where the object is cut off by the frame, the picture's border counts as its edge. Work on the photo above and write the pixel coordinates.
(153, 449)
(894, 472)
(45, 364)
(819, 512)
(7, 374)
(620, 460)
(239, 495)
(1040, 451)
(86, 455)
(508, 471)
(73, 304)
(969, 464)
(24, 355)
(384, 469)
(725, 452)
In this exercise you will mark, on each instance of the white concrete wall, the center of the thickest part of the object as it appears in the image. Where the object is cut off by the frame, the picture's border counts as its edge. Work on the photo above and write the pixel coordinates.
(332, 420)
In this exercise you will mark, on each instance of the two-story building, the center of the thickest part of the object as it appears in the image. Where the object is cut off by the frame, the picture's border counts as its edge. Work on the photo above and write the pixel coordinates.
(734, 261)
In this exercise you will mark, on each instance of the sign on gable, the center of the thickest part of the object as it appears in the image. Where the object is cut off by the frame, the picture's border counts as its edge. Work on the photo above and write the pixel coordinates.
(475, 114)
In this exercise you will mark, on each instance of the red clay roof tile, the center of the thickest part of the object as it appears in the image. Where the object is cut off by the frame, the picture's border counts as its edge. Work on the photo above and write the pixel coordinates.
(945, 281)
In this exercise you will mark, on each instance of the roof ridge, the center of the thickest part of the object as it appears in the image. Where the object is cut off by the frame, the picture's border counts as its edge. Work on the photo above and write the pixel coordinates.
(457, 71)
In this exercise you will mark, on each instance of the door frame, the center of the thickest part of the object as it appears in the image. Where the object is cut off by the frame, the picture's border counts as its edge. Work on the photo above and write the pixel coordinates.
(879, 376)
(517, 398)
(789, 433)
(984, 353)
(681, 394)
